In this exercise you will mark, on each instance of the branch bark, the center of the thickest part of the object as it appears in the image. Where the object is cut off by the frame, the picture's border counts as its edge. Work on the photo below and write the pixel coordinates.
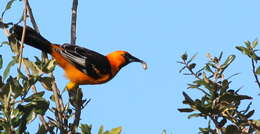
(74, 22)
(254, 72)
(79, 101)
(23, 35)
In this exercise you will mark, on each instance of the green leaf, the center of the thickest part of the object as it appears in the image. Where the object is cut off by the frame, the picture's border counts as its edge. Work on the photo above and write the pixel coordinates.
(232, 129)
(250, 113)
(187, 100)
(15, 86)
(21, 75)
(220, 55)
(205, 130)
(242, 49)
(222, 122)
(1, 61)
(192, 86)
(257, 70)
(255, 43)
(35, 69)
(225, 86)
(228, 61)
(42, 130)
(27, 84)
(164, 131)
(41, 106)
(14, 44)
(52, 98)
(30, 110)
(85, 128)
(247, 43)
(184, 56)
(185, 110)
(34, 97)
(50, 66)
(207, 68)
(101, 129)
(195, 115)
(16, 114)
(46, 82)
(116, 130)
(7, 69)
(244, 97)
(5, 43)
(7, 7)
(192, 66)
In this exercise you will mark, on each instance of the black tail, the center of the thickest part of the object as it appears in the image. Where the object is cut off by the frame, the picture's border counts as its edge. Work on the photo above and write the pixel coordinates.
(31, 38)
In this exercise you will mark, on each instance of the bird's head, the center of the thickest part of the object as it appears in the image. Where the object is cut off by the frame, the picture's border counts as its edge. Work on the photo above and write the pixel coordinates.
(119, 59)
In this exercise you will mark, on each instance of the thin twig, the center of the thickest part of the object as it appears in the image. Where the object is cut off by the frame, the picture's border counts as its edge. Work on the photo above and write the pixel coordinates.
(256, 78)
(191, 71)
(35, 26)
(30, 13)
(23, 35)
(78, 96)
(59, 105)
(78, 109)
(74, 22)
(216, 124)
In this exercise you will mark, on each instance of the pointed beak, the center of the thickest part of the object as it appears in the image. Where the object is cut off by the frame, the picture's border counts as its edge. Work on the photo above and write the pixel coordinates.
(134, 59)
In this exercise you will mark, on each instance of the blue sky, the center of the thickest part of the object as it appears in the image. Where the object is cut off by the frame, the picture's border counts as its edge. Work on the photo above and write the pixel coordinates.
(157, 31)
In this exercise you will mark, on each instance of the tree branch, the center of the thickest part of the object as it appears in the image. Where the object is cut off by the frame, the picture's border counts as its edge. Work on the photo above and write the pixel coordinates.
(254, 72)
(30, 13)
(35, 26)
(74, 21)
(216, 124)
(23, 35)
(78, 96)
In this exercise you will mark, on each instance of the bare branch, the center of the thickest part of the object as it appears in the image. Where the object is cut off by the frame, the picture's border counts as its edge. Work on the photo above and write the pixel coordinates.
(78, 95)
(74, 21)
(23, 35)
(35, 26)
(30, 13)
(254, 72)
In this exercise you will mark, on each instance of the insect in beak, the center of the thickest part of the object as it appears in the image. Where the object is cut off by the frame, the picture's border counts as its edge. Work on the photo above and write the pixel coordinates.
(134, 59)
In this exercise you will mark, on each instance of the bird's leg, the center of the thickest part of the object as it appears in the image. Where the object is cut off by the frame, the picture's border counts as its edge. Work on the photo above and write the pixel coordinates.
(71, 86)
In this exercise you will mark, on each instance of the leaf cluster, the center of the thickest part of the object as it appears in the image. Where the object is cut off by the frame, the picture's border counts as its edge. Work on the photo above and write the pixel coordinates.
(249, 49)
(219, 102)
(17, 107)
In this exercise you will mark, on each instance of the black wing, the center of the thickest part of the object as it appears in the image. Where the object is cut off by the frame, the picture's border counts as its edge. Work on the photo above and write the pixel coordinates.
(88, 61)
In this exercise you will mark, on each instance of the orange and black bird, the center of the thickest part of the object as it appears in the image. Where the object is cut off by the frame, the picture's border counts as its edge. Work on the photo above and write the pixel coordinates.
(81, 65)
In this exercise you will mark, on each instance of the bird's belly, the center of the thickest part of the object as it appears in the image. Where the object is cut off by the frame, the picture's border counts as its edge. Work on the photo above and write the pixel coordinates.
(75, 75)
(78, 77)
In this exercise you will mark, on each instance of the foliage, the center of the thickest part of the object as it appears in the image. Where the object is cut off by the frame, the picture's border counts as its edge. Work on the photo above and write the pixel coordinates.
(219, 102)
(21, 102)
(251, 51)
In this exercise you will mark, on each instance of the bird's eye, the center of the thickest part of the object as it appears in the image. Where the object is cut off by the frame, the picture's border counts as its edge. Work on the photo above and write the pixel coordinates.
(127, 55)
